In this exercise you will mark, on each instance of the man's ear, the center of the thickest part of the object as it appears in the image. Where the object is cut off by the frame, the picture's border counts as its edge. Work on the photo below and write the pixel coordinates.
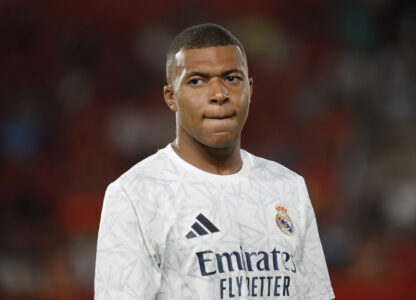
(169, 98)
(250, 81)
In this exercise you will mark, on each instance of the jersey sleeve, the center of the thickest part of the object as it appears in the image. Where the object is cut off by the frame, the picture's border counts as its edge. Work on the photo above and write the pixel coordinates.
(126, 266)
(317, 283)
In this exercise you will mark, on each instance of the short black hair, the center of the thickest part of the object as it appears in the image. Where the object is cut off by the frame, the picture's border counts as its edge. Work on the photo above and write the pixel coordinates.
(197, 37)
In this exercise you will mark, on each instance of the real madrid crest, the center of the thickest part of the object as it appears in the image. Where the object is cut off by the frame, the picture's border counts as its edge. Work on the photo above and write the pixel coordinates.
(283, 221)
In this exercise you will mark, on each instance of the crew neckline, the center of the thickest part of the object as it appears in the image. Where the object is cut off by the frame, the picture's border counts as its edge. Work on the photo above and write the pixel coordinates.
(186, 165)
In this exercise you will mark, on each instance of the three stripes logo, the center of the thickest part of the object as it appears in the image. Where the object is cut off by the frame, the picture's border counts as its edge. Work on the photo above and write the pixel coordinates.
(201, 229)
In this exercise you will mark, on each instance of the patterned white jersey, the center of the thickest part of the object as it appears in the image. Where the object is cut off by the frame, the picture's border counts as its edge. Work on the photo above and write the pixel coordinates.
(172, 231)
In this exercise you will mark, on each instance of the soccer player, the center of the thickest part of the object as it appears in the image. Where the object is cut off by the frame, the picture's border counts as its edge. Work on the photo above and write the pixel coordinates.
(202, 218)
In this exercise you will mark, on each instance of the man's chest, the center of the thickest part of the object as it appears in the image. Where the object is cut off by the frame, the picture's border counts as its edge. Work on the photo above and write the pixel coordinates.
(226, 218)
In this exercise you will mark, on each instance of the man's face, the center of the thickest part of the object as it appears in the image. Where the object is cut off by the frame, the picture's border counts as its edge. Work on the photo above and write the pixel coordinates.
(210, 93)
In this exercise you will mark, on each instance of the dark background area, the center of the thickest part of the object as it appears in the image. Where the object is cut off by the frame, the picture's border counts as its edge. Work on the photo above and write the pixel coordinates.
(81, 102)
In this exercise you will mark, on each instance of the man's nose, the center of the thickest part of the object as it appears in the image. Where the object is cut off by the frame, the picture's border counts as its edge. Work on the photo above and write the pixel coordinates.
(219, 92)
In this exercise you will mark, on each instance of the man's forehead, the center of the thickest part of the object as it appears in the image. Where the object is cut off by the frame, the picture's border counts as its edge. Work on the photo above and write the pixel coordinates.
(221, 56)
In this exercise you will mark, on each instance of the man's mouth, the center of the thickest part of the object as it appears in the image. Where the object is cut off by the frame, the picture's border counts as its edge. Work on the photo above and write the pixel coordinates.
(219, 117)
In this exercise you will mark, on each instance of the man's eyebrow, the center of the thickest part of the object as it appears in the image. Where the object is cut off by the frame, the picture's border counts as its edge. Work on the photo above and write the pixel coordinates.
(232, 71)
(199, 74)
(206, 75)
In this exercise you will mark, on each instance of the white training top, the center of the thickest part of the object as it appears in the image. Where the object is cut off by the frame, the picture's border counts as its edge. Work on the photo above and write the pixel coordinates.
(172, 231)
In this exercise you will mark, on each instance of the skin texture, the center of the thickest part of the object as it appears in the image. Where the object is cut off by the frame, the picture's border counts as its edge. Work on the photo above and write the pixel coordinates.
(210, 94)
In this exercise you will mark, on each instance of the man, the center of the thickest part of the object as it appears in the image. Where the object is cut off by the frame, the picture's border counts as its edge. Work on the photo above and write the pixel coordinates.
(202, 218)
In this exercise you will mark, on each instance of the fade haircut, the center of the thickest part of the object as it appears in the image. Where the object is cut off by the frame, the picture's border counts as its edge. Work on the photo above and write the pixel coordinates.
(197, 37)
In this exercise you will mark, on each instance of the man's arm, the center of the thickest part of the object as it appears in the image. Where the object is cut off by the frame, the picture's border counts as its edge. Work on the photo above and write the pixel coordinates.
(125, 265)
(317, 282)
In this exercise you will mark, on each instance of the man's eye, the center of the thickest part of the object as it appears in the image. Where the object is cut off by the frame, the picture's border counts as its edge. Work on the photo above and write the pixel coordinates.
(233, 78)
(195, 81)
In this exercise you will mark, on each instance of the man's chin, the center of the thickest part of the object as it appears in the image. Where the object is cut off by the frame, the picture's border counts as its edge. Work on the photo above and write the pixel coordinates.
(221, 141)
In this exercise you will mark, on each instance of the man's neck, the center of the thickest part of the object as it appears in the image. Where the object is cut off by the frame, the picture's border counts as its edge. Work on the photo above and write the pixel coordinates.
(221, 161)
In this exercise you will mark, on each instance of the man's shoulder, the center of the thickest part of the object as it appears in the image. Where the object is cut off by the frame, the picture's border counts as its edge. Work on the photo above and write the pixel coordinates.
(268, 169)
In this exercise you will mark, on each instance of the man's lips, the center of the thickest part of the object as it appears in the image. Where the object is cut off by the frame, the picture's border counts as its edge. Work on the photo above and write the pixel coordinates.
(220, 116)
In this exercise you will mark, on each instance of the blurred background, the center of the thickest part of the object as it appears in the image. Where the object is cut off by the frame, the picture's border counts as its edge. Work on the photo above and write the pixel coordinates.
(81, 102)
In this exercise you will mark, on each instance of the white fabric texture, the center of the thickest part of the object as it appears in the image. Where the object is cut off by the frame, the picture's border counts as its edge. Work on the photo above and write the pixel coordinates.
(151, 246)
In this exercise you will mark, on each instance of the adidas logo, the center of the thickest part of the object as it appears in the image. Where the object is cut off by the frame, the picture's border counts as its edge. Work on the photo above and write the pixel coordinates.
(201, 229)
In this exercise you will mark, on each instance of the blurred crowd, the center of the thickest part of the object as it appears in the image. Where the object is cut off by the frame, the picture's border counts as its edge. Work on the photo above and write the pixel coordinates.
(81, 102)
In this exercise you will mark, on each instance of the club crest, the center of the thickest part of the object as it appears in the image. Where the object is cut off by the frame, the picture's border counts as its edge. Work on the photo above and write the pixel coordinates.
(283, 221)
